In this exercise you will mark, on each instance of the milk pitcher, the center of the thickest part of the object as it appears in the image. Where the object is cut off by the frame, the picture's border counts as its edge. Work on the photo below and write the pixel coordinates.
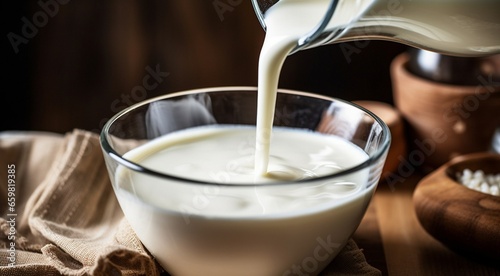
(451, 27)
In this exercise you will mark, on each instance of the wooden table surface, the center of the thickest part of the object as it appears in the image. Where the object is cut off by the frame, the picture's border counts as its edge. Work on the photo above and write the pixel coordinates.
(394, 241)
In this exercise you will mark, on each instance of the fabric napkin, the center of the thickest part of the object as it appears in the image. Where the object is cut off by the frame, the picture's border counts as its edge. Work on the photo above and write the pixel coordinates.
(66, 219)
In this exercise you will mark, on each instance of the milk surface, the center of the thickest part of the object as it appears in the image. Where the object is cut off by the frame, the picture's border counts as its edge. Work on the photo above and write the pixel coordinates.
(225, 155)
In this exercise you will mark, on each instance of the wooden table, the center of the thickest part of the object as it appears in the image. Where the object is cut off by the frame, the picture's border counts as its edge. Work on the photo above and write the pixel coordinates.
(394, 242)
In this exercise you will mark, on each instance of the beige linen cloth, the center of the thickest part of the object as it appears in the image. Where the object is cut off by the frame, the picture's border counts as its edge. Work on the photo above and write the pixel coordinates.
(67, 220)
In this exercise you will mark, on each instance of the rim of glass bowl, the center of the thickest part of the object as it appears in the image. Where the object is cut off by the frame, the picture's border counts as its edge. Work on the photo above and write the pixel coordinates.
(136, 167)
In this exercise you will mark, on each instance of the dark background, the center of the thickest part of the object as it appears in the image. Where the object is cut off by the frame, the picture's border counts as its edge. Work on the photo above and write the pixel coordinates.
(85, 59)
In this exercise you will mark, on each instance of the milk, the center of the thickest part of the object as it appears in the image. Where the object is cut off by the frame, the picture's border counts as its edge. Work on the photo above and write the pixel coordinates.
(228, 230)
(287, 21)
(453, 27)
(457, 27)
(263, 222)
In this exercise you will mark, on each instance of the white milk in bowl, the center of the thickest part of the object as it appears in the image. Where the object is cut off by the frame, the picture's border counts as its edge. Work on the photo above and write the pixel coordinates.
(234, 228)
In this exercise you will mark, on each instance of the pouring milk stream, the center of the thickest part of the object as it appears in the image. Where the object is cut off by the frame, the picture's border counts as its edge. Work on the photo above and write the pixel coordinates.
(459, 27)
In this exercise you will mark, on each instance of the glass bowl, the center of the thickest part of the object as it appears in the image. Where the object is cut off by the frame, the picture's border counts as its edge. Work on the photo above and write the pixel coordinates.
(172, 215)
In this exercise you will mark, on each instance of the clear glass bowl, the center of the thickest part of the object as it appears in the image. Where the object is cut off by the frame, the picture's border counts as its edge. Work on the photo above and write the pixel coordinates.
(185, 240)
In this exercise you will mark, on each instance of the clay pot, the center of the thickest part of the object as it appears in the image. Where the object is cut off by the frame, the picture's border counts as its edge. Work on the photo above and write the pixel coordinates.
(444, 120)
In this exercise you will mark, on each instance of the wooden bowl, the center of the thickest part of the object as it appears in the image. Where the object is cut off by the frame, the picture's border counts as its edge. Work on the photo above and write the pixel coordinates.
(463, 219)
